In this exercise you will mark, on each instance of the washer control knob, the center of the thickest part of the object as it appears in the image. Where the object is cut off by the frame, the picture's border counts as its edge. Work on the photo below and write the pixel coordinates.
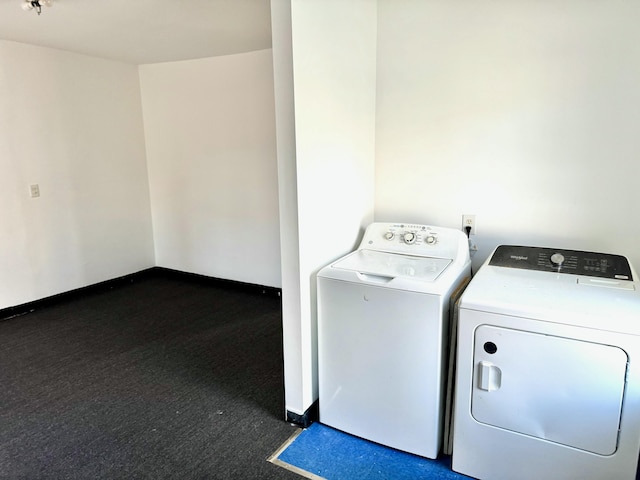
(389, 235)
(409, 237)
(557, 259)
(430, 239)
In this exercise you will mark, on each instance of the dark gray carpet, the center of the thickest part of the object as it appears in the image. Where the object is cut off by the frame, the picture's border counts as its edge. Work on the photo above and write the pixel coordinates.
(162, 378)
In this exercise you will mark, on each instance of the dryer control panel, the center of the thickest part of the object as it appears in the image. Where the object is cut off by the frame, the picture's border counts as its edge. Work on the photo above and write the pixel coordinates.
(557, 260)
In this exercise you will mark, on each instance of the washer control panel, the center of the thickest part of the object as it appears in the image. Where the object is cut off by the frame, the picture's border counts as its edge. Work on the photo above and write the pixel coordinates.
(411, 234)
(557, 260)
(414, 239)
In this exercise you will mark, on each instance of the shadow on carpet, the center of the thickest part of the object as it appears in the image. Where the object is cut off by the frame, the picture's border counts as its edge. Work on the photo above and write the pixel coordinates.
(321, 452)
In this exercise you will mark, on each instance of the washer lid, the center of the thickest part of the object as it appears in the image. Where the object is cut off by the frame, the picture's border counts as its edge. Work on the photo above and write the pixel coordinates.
(373, 262)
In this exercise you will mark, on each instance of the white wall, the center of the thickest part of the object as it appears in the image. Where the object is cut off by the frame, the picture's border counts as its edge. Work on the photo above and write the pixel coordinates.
(523, 113)
(211, 153)
(73, 125)
(295, 377)
(328, 60)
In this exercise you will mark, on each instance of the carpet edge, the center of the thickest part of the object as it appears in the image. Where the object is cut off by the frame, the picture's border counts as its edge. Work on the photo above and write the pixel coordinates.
(273, 458)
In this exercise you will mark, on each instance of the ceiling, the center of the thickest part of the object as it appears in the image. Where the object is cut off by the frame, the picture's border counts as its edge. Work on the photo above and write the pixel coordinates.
(142, 31)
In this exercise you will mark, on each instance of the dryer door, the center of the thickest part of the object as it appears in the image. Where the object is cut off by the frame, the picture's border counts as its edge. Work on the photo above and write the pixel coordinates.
(563, 390)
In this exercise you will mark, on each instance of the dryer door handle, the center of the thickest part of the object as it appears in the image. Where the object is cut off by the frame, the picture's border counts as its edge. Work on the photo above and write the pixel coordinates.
(489, 376)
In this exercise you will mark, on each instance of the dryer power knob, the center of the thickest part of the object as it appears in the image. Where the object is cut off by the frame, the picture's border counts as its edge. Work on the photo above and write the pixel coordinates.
(557, 259)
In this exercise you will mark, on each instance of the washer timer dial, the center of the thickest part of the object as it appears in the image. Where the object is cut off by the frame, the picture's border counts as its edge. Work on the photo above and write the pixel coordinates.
(409, 237)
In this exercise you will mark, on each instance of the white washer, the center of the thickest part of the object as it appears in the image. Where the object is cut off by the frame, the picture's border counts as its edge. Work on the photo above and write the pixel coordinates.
(548, 367)
(382, 330)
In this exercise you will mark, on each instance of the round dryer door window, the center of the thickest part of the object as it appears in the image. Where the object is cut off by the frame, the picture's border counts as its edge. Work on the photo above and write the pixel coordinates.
(562, 390)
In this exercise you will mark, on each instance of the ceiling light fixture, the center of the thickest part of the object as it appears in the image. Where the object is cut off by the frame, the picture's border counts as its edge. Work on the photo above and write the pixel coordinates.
(37, 4)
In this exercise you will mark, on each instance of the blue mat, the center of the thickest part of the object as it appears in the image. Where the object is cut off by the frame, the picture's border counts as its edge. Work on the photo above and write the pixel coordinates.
(328, 453)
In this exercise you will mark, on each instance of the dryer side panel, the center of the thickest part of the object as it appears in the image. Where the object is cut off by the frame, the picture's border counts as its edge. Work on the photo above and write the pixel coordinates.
(562, 390)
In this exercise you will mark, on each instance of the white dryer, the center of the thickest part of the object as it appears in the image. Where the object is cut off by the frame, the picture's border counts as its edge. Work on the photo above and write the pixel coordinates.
(382, 328)
(548, 367)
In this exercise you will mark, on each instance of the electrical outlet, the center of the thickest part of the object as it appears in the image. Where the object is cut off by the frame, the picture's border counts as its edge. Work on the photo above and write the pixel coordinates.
(34, 190)
(469, 221)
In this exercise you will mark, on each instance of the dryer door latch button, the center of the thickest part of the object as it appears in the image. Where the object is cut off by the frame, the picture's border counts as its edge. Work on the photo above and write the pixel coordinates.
(489, 376)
